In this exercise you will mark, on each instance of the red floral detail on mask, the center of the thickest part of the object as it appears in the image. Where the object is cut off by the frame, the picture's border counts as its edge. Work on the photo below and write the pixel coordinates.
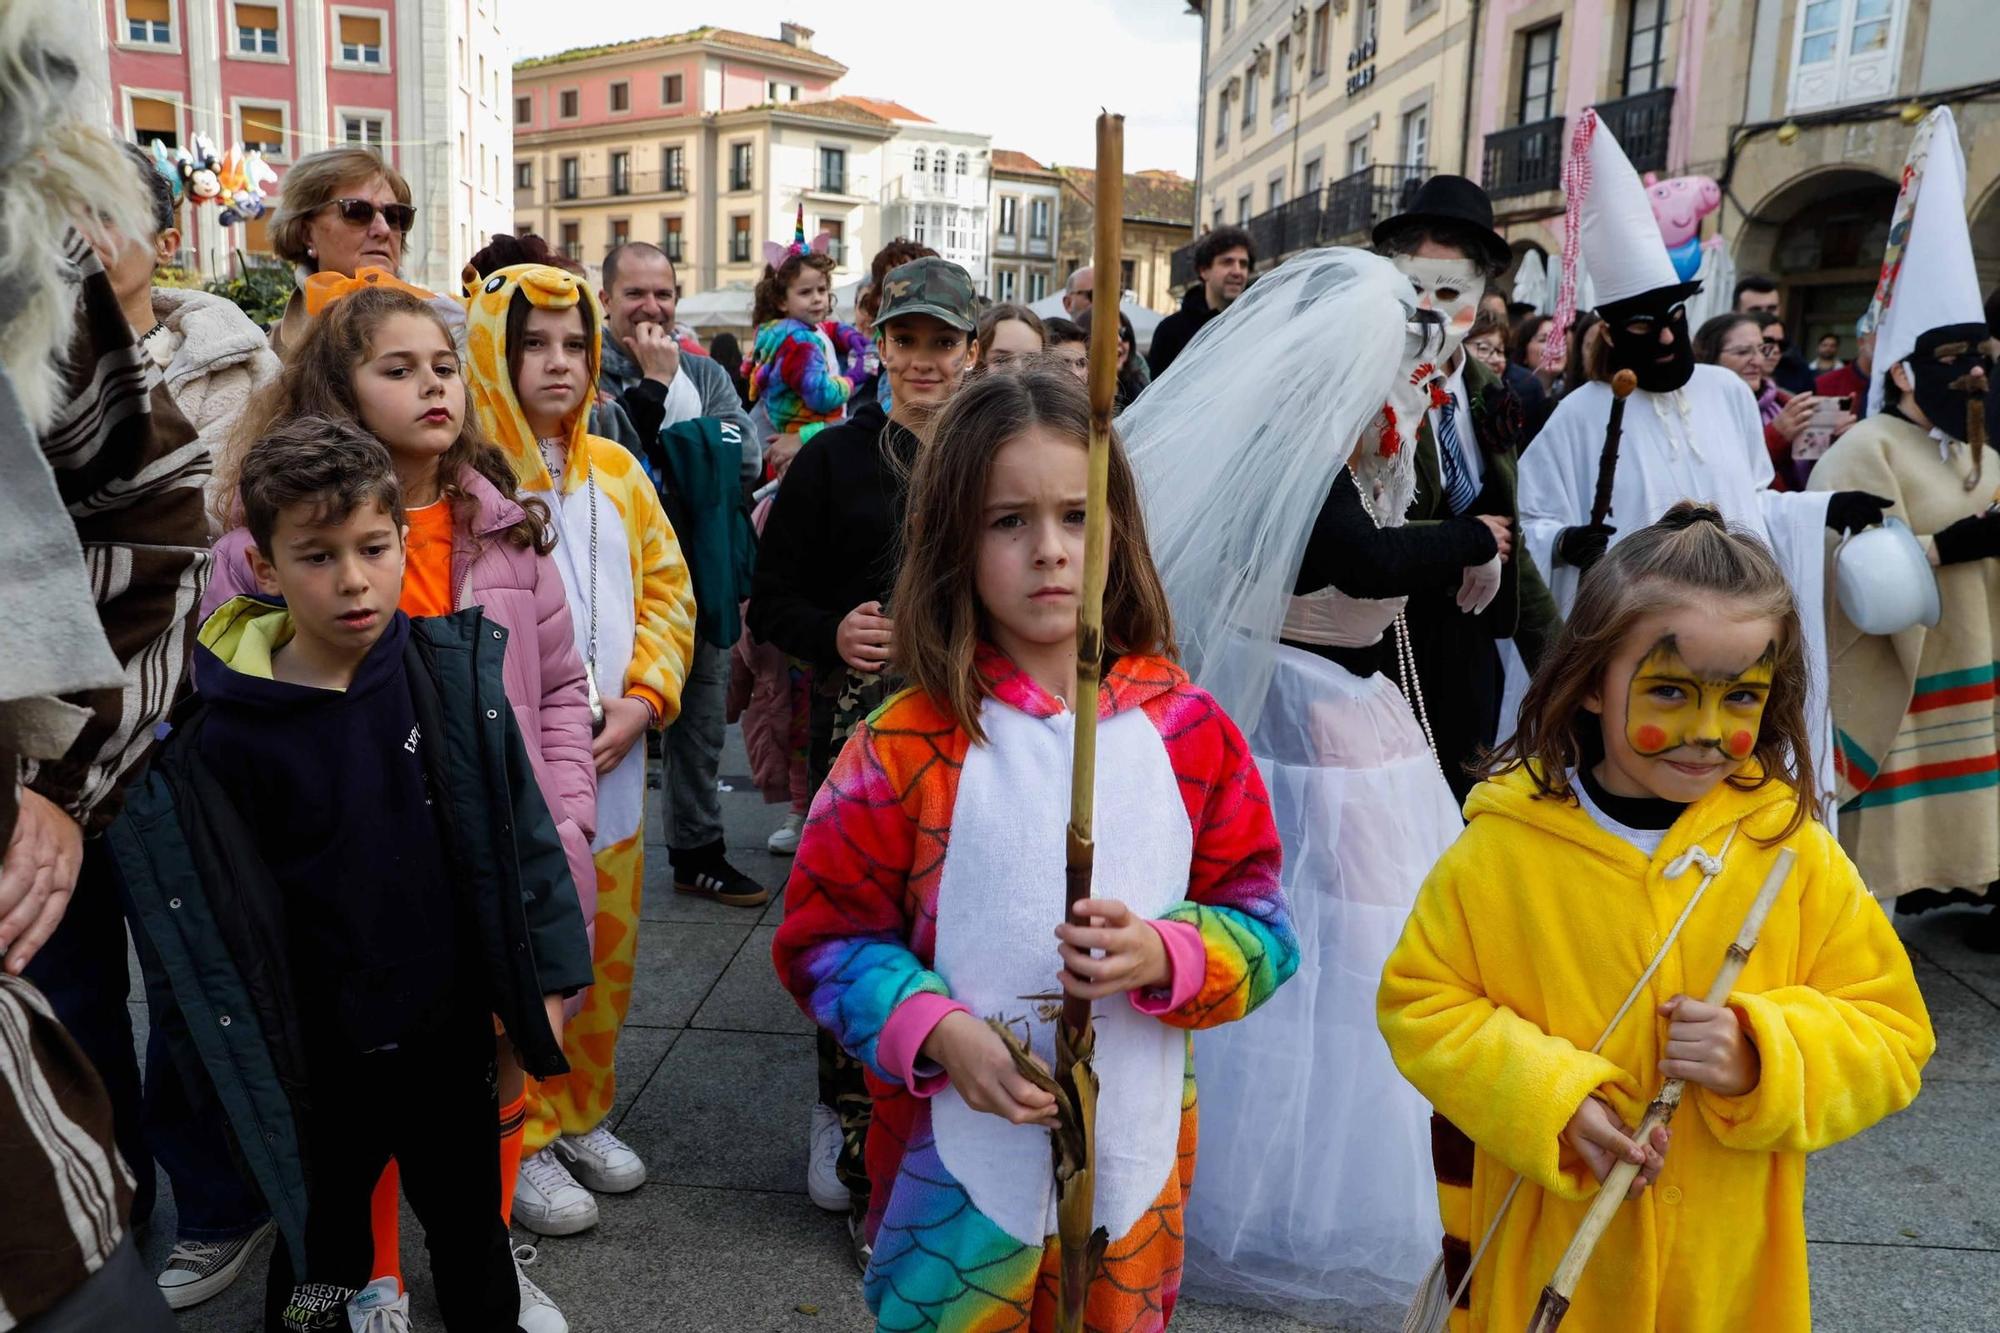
(1392, 439)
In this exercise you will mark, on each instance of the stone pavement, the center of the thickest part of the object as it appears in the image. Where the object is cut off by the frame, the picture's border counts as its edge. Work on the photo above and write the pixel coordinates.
(716, 1078)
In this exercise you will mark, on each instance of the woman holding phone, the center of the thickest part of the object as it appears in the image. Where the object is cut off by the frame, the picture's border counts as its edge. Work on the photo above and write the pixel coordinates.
(1797, 427)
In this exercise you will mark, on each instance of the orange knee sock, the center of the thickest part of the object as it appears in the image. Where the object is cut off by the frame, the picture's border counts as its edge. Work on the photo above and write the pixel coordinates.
(386, 1222)
(513, 1129)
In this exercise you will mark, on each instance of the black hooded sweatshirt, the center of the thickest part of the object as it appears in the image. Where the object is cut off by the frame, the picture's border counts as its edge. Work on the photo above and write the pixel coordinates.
(332, 785)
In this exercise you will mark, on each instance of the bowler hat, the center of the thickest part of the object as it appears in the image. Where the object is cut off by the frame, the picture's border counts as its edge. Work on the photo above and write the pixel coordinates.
(1458, 203)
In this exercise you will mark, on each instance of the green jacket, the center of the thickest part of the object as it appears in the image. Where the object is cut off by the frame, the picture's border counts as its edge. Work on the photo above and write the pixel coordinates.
(210, 919)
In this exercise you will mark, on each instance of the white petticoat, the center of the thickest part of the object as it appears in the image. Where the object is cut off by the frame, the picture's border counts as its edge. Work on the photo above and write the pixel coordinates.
(1314, 1192)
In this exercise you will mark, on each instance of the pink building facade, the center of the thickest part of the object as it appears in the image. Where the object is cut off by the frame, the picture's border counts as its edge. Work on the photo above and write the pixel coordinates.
(424, 82)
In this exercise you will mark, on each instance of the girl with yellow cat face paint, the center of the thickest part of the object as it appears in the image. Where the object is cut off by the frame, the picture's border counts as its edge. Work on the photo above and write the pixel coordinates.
(1663, 743)
(532, 347)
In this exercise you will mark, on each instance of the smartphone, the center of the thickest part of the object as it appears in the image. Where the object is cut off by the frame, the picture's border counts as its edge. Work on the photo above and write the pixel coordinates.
(1818, 434)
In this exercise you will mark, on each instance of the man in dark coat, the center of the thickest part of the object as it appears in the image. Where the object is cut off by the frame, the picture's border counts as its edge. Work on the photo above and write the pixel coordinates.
(1446, 243)
(1222, 260)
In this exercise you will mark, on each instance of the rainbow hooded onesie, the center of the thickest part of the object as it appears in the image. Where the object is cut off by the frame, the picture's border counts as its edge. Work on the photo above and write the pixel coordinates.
(930, 879)
(644, 638)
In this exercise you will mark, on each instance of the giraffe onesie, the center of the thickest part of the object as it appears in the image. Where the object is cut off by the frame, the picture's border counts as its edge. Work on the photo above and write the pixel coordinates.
(930, 879)
(644, 639)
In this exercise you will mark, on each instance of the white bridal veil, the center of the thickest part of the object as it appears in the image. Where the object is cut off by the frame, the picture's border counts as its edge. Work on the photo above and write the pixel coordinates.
(1237, 445)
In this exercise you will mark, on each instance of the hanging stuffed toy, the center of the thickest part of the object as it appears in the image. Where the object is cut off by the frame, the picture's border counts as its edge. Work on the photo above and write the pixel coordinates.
(169, 171)
(1679, 205)
(243, 178)
(200, 172)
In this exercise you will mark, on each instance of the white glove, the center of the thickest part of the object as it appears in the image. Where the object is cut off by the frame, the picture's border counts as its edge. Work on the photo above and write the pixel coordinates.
(1478, 586)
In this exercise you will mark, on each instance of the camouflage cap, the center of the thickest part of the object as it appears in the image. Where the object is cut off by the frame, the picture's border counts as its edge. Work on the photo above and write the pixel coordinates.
(928, 286)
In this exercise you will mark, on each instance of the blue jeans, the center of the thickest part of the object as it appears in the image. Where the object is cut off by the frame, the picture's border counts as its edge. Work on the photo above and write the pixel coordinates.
(83, 970)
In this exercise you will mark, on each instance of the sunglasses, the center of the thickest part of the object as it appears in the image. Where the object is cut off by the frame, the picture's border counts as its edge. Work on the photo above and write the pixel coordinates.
(361, 212)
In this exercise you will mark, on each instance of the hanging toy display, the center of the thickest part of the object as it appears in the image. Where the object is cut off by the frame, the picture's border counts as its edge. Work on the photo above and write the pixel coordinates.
(237, 181)
(243, 178)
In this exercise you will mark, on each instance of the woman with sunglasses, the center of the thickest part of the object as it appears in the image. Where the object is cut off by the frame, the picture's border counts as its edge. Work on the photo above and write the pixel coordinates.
(342, 210)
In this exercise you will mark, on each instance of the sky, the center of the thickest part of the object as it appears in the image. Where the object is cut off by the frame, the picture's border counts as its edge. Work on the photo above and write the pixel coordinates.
(1029, 72)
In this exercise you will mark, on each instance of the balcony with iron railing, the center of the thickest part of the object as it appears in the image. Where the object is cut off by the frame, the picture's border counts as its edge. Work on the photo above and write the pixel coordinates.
(595, 189)
(1526, 159)
(1641, 124)
(1343, 213)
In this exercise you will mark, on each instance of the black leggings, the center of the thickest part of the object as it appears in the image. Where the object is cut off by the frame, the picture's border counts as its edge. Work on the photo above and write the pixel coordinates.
(430, 1103)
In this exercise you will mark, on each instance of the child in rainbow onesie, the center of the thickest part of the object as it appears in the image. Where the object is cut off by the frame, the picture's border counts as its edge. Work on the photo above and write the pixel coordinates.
(804, 365)
(930, 879)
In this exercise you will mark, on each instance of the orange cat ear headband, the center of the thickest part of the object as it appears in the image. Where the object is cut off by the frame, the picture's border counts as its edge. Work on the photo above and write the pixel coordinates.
(322, 289)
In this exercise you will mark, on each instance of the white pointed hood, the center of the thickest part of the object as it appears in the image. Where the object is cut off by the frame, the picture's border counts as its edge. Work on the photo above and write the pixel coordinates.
(1608, 228)
(1928, 278)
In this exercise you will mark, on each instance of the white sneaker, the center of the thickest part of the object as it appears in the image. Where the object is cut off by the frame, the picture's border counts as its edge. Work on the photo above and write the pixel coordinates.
(822, 1181)
(538, 1313)
(785, 841)
(601, 1161)
(380, 1307)
(199, 1269)
(547, 1199)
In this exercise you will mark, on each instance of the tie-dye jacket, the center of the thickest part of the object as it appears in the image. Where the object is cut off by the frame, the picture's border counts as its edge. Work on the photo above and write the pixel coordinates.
(907, 902)
(804, 373)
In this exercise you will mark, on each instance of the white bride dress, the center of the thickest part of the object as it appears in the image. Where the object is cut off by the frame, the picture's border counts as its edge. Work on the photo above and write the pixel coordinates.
(1315, 1193)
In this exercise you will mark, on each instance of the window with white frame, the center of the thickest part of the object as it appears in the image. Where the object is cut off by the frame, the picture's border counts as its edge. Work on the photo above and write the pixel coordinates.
(1645, 46)
(959, 167)
(360, 39)
(1357, 154)
(155, 118)
(939, 165)
(1008, 206)
(1281, 77)
(1250, 87)
(673, 238)
(833, 170)
(1038, 286)
(918, 231)
(1242, 205)
(1038, 219)
(919, 161)
(261, 126)
(1003, 284)
(524, 175)
(150, 22)
(1274, 193)
(673, 167)
(256, 30)
(359, 127)
(1315, 174)
(1845, 51)
(1417, 135)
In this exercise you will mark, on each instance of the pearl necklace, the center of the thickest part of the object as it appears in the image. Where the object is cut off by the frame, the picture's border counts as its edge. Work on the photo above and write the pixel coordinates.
(1406, 659)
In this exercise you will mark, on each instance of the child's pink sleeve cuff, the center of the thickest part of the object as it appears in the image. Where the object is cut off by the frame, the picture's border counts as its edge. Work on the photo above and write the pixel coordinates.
(1187, 965)
(902, 1041)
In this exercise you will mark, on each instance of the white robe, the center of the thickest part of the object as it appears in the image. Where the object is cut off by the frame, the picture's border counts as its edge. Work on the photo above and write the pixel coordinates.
(1715, 455)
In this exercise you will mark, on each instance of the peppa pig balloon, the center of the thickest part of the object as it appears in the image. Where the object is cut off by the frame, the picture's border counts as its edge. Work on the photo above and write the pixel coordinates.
(1679, 205)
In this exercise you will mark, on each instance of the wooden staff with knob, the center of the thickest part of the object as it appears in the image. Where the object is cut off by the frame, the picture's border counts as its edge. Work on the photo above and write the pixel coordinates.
(1554, 1304)
(1622, 385)
(1073, 1142)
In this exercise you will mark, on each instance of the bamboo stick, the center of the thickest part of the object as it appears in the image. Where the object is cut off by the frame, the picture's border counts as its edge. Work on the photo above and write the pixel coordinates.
(1082, 1245)
(1554, 1304)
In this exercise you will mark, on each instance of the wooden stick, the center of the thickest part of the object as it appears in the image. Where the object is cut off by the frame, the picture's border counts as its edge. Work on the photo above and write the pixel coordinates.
(1554, 1304)
(1622, 385)
(1075, 1143)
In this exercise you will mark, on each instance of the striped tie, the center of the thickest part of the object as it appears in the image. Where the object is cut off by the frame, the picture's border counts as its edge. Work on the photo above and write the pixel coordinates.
(1458, 490)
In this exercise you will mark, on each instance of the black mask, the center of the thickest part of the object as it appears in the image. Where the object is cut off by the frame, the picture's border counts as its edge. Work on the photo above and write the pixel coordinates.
(1947, 407)
(1637, 327)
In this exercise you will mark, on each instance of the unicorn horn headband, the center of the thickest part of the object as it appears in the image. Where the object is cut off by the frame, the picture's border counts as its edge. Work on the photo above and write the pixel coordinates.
(777, 256)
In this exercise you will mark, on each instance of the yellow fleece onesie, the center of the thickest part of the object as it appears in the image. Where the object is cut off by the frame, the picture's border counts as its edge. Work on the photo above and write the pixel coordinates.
(1524, 940)
(644, 638)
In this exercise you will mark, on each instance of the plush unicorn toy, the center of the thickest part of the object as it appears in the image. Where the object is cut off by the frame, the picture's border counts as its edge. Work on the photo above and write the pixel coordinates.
(1679, 205)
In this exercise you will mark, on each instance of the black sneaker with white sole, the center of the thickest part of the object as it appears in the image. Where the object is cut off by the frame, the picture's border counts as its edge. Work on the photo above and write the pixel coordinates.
(707, 874)
(200, 1269)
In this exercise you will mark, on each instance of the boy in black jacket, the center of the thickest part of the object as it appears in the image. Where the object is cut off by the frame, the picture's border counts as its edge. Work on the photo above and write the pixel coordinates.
(341, 739)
